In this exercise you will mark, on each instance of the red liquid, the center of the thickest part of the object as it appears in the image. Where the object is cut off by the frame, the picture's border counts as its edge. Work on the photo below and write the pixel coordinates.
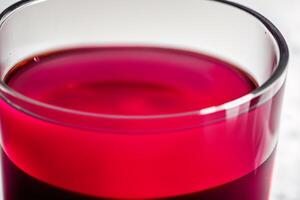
(129, 81)
(254, 186)
(227, 160)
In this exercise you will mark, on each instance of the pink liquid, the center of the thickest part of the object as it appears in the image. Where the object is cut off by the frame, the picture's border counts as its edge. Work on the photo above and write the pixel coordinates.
(129, 81)
(229, 159)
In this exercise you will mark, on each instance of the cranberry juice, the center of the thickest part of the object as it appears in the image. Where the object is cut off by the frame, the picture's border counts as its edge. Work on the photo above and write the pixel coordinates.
(118, 90)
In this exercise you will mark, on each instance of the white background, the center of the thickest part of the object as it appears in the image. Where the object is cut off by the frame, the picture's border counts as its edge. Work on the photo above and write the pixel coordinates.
(285, 14)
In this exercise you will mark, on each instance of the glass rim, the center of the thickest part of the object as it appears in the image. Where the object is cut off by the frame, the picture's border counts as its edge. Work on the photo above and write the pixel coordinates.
(264, 88)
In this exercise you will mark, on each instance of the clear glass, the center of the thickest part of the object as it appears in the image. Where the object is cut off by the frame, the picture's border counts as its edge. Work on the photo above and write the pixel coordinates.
(101, 156)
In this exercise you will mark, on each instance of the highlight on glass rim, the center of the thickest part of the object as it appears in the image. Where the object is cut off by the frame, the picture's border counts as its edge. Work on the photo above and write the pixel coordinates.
(119, 100)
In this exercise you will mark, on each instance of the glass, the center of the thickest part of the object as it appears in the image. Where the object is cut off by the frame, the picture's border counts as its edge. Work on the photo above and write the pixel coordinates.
(218, 152)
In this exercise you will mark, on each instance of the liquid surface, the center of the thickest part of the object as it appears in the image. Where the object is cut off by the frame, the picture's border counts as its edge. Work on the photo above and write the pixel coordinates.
(230, 159)
(129, 81)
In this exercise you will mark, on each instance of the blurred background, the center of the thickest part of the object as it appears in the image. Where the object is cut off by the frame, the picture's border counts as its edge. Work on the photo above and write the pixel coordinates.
(285, 14)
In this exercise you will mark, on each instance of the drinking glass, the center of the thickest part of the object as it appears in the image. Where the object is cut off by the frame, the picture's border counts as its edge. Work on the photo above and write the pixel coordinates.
(220, 152)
